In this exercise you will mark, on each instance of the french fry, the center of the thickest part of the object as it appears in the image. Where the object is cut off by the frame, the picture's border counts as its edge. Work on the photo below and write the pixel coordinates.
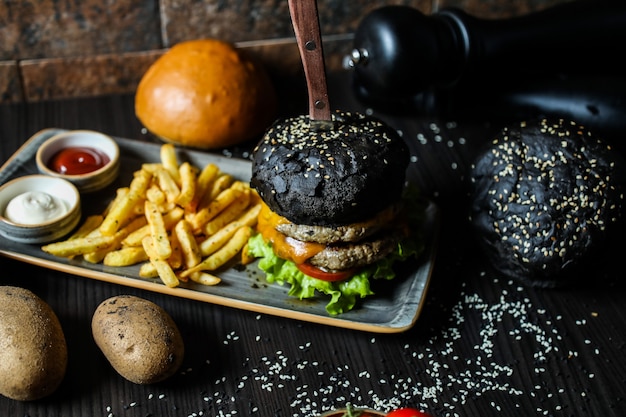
(147, 270)
(250, 216)
(138, 209)
(219, 203)
(219, 239)
(132, 226)
(230, 213)
(168, 184)
(151, 167)
(164, 270)
(170, 161)
(119, 195)
(169, 219)
(203, 183)
(176, 258)
(158, 232)
(254, 196)
(223, 199)
(246, 258)
(167, 207)
(78, 246)
(90, 224)
(125, 256)
(155, 194)
(224, 254)
(120, 211)
(173, 216)
(205, 278)
(187, 175)
(99, 255)
(188, 244)
(176, 221)
(135, 238)
(222, 182)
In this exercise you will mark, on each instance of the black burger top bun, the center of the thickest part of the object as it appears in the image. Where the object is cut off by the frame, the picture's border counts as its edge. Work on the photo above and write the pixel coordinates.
(545, 197)
(330, 177)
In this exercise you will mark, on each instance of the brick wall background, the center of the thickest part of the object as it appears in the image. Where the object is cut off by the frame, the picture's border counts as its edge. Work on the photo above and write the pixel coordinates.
(53, 49)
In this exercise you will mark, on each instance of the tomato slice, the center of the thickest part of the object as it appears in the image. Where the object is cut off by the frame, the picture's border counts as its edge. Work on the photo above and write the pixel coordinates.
(407, 412)
(314, 272)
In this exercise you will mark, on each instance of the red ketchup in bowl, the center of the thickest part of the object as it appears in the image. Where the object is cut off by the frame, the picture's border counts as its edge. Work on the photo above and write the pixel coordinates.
(78, 160)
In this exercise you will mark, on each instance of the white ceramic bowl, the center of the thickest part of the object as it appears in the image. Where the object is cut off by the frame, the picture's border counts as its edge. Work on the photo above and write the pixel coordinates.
(42, 190)
(87, 140)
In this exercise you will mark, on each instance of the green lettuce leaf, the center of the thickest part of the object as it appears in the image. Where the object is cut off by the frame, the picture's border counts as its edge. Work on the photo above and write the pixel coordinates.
(343, 294)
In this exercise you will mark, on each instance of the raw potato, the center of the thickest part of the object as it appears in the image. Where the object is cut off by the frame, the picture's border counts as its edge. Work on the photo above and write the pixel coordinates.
(138, 338)
(33, 351)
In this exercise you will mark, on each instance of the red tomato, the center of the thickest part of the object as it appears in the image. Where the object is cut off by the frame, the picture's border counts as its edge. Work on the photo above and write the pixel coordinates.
(407, 412)
(314, 272)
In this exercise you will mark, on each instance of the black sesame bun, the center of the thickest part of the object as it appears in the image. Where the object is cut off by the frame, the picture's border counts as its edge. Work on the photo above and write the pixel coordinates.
(330, 177)
(545, 197)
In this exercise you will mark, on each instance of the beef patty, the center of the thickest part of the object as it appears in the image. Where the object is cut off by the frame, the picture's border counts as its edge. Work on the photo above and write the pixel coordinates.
(328, 235)
(354, 255)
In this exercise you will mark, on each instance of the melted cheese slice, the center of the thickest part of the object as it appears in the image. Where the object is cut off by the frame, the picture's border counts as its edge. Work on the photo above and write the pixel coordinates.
(284, 246)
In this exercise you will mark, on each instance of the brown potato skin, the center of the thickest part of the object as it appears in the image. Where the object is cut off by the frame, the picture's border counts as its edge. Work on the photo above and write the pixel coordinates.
(138, 338)
(33, 350)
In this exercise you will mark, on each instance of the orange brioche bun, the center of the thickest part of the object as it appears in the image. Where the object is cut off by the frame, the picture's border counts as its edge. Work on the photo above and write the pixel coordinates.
(205, 94)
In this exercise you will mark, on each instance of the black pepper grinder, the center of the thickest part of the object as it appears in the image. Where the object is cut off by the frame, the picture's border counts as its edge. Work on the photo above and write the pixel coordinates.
(402, 57)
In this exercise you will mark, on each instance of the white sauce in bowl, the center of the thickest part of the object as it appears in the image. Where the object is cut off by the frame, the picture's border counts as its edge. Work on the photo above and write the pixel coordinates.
(34, 207)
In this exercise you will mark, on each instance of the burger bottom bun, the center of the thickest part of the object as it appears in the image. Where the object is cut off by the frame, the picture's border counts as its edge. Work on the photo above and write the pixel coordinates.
(206, 94)
(330, 177)
(546, 196)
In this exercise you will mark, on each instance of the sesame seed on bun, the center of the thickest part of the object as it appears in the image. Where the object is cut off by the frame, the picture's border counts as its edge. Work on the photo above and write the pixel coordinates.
(330, 177)
(545, 196)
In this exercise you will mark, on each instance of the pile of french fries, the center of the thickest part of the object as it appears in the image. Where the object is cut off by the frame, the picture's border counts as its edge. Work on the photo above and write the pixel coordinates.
(178, 221)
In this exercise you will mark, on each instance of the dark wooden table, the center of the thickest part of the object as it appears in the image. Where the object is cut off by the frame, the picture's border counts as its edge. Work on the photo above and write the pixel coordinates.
(482, 346)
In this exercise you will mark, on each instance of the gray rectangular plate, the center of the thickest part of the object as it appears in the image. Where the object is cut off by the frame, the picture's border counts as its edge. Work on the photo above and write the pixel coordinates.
(394, 308)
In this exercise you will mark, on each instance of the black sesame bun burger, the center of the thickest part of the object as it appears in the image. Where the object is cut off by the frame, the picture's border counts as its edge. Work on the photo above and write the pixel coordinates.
(546, 197)
(334, 215)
